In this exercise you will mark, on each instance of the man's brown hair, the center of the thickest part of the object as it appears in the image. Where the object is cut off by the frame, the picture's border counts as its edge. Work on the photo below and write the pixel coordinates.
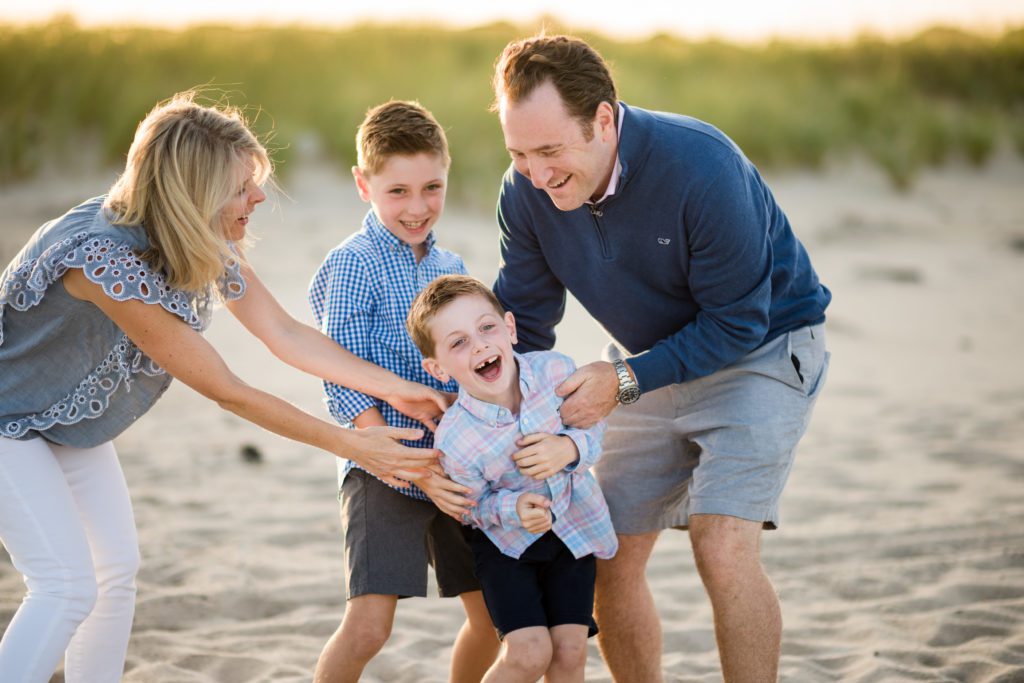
(436, 296)
(402, 128)
(578, 72)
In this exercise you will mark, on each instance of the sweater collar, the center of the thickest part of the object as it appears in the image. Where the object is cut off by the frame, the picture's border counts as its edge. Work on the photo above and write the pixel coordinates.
(634, 143)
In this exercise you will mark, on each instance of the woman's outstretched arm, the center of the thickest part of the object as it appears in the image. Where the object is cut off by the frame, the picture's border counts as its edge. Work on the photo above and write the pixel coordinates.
(188, 357)
(306, 348)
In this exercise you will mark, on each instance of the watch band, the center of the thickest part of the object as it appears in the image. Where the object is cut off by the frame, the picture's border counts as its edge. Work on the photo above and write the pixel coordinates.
(629, 391)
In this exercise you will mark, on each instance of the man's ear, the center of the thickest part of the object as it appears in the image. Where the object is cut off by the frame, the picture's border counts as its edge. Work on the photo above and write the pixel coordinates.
(510, 323)
(362, 186)
(435, 370)
(604, 120)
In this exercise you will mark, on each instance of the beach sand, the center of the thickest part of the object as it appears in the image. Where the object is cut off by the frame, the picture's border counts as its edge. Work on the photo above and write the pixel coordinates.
(901, 551)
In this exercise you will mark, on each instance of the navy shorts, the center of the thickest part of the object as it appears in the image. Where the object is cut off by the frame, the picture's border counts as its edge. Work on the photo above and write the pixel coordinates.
(546, 586)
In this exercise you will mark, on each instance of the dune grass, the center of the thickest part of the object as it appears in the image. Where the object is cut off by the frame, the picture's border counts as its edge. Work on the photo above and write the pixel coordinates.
(940, 95)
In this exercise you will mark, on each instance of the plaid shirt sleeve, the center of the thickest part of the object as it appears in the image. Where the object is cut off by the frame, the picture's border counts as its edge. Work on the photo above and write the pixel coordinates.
(588, 441)
(493, 508)
(346, 313)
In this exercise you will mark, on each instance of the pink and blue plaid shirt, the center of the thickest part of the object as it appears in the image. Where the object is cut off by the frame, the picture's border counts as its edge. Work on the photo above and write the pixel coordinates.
(478, 440)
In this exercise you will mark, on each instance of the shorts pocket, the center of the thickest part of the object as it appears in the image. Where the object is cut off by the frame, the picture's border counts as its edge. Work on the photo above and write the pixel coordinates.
(809, 359)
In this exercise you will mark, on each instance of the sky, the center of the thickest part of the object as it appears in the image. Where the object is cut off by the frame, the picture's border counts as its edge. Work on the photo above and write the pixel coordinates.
(727, 19)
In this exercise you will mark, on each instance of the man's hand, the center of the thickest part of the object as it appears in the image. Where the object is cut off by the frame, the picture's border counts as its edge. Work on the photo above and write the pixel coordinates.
(448, 496)
(420, 402)
(589, 395)
(534, 513)
(543, 455)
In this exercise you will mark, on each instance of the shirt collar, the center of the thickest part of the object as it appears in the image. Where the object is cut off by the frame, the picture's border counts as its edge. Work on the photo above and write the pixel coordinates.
(375, 228)
(492, 413)
(613, 183)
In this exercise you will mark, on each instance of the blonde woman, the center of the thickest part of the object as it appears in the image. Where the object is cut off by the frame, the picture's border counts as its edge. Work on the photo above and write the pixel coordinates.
(98, 312)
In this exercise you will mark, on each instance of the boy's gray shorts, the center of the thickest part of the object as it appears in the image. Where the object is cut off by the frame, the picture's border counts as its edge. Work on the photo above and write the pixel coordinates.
(722, 444)
(390, 539)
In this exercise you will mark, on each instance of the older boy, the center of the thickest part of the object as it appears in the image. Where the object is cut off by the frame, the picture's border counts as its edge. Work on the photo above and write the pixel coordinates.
(360, 297)
(540, 518)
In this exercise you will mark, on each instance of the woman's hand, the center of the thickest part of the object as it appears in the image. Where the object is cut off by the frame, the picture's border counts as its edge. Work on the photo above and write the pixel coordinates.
(449, 497)
(377, 450)
(420, 402)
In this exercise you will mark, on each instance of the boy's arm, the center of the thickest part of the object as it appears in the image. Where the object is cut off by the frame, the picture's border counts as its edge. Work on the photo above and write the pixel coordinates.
(370, 417)
(588, 444)
(491, 508)
(346, 317)
(542, 455)
(306, 348)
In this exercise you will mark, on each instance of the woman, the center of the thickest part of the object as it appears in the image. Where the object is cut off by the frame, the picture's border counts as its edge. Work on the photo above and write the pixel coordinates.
(97, 313)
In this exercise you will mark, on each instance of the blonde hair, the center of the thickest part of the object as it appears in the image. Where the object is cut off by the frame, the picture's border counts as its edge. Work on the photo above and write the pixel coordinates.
(436, 296)
(182, 170)
(398, 128)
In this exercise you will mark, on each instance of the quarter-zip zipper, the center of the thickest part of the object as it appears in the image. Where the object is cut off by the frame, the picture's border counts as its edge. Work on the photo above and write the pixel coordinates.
(597, 213)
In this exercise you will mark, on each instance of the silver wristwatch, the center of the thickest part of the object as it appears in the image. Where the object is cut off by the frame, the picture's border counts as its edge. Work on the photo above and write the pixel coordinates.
(629, 392)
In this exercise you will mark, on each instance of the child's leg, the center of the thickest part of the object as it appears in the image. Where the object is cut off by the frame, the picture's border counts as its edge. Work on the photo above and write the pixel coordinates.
(525, 657)
(385, 557)
(569, 654)
(363, 632)
(476, 645)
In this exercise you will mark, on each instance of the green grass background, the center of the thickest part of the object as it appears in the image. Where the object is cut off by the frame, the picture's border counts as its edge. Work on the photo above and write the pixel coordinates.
(940, 95)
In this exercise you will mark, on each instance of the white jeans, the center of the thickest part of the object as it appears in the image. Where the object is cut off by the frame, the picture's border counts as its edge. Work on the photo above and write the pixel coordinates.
(66, 521)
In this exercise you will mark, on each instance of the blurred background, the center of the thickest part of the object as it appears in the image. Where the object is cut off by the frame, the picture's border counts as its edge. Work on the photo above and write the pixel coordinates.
(892, 134)
(796, 83)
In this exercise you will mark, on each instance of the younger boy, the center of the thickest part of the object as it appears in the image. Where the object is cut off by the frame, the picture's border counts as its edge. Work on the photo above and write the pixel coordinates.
(360, 297)
(540, 518)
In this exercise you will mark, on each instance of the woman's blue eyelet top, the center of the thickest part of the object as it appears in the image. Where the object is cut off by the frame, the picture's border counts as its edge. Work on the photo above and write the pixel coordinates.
(67, 372)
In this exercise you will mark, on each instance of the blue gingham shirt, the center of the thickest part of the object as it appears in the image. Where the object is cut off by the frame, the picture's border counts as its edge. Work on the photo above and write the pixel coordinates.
(360, 297)
(478, 439)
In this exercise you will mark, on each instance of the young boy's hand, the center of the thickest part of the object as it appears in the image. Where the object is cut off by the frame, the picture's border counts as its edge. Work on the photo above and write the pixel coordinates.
(543, 455)
(534, 513)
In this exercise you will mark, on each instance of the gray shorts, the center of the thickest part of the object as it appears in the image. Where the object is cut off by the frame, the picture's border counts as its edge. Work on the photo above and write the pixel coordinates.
(390, 539)
(721, 445)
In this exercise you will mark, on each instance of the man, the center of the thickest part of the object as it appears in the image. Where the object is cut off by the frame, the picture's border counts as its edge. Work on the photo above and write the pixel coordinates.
(666, 233)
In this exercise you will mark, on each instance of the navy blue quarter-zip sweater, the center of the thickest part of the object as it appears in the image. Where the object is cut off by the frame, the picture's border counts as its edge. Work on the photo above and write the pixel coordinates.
(690, 265)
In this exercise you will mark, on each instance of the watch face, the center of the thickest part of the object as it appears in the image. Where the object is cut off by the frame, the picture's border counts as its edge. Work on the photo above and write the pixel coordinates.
(629, 395)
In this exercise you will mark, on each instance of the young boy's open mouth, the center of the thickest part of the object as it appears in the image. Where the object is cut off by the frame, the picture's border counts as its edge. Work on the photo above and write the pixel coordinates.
(489, 369)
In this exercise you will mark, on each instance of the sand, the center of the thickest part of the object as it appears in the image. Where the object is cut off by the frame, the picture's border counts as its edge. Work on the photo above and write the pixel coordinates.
(901, 553)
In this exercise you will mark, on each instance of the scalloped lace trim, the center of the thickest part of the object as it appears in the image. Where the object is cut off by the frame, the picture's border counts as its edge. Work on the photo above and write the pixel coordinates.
(123, 275)
(91, 397)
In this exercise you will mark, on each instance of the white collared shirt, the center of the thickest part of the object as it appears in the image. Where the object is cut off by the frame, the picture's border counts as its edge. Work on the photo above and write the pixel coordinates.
(613, 183)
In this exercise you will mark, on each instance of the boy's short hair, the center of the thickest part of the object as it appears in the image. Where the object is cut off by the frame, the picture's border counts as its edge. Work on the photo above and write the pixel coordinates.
(436, 296)
(396, 127)
(576, 70)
